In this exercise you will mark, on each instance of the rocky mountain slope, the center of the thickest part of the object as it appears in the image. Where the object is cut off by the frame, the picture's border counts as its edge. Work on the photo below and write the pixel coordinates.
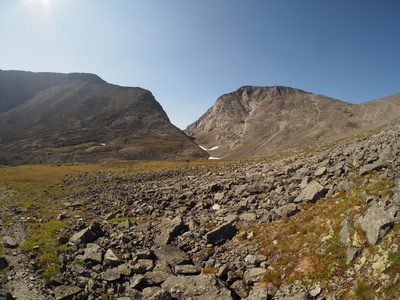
(60, 118)
(317, 225)
(267, 121)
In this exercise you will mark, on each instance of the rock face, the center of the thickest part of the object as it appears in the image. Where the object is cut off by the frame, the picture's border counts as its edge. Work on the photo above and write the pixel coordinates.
(60, 118)
(266, 121)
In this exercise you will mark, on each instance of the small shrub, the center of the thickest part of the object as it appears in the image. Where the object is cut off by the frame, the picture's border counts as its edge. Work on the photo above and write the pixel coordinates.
(362, 291)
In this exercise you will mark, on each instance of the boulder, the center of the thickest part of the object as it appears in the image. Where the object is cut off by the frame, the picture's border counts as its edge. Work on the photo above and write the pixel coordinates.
(93, 254)
(10, 242)
(171, 255)
(66, 292)
(111, 275)
(287, 210)
(347, 227)
(311, 193)
(196, 287)
(171, 229)
(111, 259)
(84, 236)
(376, 223)
(352, 253)
(221, 234)
(3, 262)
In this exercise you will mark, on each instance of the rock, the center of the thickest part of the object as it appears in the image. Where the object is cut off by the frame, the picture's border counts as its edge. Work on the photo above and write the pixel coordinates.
(320, 171)
(62, 240)
(93, 254)
(10, 242)
(196, 287)
(5, 295)
(258, 294)
(287, 210)
(311, 193)
(66, 292)
(187, 270)
(154, 278)
(172, 255)
(3, 262)
(84, 236)
(315, 291)
(96, 229)
(347, 227)
(111, 259)
(221, 234)
(254, 275)
(352, 253)
(171, 229)
(142, 266)
(239, 288)
(376, 223)
(62, 216)
(112, 274)
(155, 293)
(251, 261)
(372, 167)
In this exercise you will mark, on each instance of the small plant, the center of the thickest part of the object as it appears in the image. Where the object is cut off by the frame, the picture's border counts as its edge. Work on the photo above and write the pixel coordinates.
(362, 291)
(209, 271)
(272, 277)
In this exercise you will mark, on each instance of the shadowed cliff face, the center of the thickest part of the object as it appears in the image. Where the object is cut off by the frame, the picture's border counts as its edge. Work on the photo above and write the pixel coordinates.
(58, 118)
(263, 121)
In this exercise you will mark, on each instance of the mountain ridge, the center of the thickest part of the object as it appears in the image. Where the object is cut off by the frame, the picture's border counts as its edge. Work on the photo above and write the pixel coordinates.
(81, 118)
(265, 121)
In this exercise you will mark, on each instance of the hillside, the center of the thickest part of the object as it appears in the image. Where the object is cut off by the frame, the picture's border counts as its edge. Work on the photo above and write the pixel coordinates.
(317, 225)
(268, 121)
(60, 118)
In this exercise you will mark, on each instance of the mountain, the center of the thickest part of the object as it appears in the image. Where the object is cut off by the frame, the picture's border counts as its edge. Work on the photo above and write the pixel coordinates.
(65, 118)
(267, 121)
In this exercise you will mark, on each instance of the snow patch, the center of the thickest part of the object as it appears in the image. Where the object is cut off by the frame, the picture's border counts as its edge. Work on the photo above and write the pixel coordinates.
(213, 148)
(211, 157)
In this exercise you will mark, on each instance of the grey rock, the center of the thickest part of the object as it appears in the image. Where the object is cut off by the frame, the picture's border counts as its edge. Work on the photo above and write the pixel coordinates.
(221, 234)
(287, 210)
(171, 255)
(155, 293)
(352, 253)
(5, 295)
(84, 236)
(187, 270)
(3, 262)
(154, 278)
(10, 242)
(171, 229)
(376, 223)
(239, 288)
(311, 193)
(112, 274)
(372, 167)
(142, 266)
(93, 254)
(204, 287)
(254, 275)
(347, 227)
(258, 294)
(111, 259)
(66, 292)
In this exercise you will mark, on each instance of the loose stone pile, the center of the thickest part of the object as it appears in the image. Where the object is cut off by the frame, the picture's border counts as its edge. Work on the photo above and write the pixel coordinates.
(174, 234)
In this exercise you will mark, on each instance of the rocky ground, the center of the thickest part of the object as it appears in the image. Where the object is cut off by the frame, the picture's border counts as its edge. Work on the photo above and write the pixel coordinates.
(242, 231)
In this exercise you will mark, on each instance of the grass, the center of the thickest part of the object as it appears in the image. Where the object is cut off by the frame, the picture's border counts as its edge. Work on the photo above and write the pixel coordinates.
(307, 246)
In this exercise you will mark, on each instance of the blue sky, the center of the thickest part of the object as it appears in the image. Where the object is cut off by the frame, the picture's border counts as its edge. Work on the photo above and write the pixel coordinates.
(188, 53)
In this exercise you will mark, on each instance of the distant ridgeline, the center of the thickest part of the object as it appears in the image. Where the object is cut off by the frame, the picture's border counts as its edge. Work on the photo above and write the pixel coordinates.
(80, 118)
